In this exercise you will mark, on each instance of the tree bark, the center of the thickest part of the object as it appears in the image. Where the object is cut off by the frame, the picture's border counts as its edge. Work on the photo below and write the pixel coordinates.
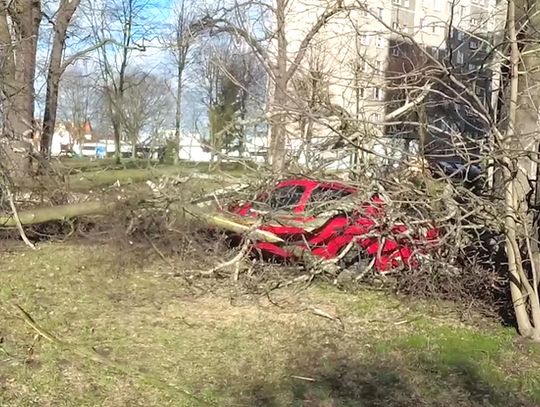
(519, 138)
(19, 29)
(25, 16)
(182, 48)
(230, 222)
(56, 213)
(278, 138)
(178, 117)
(116, 135)
(66, 9)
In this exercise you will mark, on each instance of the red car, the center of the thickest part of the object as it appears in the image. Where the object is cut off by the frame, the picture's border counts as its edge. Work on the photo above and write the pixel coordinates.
(289, 206)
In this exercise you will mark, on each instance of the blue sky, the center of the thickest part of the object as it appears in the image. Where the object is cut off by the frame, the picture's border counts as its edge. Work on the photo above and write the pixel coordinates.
(157, 14)
(162, 8)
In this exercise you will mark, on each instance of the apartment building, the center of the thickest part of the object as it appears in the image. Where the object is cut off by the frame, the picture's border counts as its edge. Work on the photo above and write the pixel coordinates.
(376, 57)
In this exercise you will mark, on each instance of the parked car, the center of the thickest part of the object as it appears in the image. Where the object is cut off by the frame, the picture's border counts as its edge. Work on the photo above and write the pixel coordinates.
(325, 219)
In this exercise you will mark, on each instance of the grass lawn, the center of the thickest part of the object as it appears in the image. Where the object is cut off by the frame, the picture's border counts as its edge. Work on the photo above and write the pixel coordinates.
(103, 177)
(106, 177)
(234, 349)
(99, 179)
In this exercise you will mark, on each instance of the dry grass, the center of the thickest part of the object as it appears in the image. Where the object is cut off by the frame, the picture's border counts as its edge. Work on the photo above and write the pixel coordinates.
(233, 348)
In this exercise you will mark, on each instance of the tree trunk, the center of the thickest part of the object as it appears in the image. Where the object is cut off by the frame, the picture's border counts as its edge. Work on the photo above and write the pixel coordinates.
(116, 130)
(517, 170)
(19, 29)
(65, 12)
(230, 222)
(25, 16)
(178, 115)
(56, 213)
(182, 48)
(278, 120)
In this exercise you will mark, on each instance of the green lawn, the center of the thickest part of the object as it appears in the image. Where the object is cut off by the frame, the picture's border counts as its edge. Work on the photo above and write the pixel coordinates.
(102, 178)
(232, 348)
(91, 180)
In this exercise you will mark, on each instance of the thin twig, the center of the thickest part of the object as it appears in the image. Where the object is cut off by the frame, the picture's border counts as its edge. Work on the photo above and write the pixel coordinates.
(245, 248)
(307, 379)
(323, 314)
(18, 223)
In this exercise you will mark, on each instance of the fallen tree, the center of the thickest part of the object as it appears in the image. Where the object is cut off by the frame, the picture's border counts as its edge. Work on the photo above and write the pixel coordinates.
(223, 221)
(57, 213)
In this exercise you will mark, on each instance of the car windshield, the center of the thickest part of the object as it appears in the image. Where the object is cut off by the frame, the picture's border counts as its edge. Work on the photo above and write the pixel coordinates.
(283, 198)
(321, 195)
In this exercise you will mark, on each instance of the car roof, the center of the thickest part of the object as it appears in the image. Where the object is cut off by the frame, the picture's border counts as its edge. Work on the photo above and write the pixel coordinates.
(311, 183)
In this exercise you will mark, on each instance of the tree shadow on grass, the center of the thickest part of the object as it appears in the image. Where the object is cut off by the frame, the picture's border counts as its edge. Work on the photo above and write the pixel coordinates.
(350, 381)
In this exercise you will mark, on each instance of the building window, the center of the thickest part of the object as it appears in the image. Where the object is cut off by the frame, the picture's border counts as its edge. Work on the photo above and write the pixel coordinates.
(459, 57)
(474, 22)
(395, 26)
(364, 39)
(378, 66)
(460, 35)
(462, 11)
(473, 44)
(422, 23)
(380, 42)
(481, 93)
(472, 67)
(395, 51)
(362, 66)
(434, 28)
(378, 93)
(440, 53)
(380, 12)
(396, 2)
(375, 117)
(362, 92)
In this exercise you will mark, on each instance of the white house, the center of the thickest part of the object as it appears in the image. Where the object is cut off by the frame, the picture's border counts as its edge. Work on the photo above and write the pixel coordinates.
(191, 149)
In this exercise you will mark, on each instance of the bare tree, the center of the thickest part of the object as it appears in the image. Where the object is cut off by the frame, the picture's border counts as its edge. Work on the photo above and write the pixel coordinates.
(279, 64)
(180, 49)
(230, 77)
(118, 16)
(517, 139)
(64, 14)
(311, 94)
(80, 100)
(148, 107)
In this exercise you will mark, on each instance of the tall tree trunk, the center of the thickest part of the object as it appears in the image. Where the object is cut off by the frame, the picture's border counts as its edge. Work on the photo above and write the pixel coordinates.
(117, 139)
(26, 17)
(120, 89)
(66, 9)
(182, 48)
(19, 29)
(178, 115)
(278, 134)
(517, 171)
